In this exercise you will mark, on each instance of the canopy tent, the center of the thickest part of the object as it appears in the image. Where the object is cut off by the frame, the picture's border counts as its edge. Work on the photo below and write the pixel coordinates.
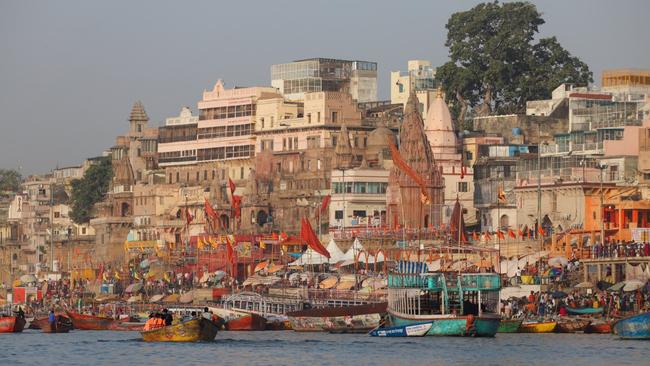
(336, 254)
(170, 299)
(310, 256)
(256, 280)
(585, 284)
(260, 266)
(275, 268)
(354, 251)
(133, 299)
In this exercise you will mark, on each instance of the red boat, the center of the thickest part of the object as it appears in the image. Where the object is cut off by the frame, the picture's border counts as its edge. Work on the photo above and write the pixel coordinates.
(599, 327)
(247, 322)
(63, 325)
(11, 324)
(91, 322)
(39, 323)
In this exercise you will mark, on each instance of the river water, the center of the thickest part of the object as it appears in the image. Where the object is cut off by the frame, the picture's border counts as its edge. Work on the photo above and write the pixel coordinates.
(289, 348)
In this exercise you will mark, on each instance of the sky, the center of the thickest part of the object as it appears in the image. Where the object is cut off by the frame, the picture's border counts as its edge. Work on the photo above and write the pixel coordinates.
(71, 70)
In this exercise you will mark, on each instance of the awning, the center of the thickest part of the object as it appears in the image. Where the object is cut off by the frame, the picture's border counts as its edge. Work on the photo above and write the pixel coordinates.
(345, 285)
(275, 268)
(260, 266)
(156, 298)
(170, 299)
(328, 282)
(133, 299)
(134, 287)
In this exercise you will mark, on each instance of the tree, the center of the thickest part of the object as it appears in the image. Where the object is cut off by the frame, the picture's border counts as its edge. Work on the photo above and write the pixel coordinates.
(495, 66)
(89, 190)
(10, 180)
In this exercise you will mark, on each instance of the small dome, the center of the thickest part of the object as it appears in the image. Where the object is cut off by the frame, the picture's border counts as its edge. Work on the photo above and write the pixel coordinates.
(379, 137)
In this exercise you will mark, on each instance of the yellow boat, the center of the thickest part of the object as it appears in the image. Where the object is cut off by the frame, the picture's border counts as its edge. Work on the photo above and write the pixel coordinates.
(190, 331)
(538, 327)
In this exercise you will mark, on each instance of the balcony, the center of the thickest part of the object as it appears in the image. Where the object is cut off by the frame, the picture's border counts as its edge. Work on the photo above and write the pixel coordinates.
(591, 148)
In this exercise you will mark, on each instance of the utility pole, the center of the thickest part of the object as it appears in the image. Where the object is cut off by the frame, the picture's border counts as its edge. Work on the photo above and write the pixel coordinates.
(602, 167)
(51, 227)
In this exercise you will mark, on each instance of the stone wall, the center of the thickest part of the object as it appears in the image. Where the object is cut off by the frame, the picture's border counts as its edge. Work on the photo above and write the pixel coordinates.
(530, 127)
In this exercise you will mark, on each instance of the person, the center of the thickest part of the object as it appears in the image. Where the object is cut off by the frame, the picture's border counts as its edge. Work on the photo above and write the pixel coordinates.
(169, 318)
(148, 325)
(21, 313)
(206, 314)
(52, 319)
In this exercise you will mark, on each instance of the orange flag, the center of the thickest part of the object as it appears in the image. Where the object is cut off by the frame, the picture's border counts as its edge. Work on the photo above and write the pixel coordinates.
(500, 235)
(521, 234)
(541, 231)
(512, 234)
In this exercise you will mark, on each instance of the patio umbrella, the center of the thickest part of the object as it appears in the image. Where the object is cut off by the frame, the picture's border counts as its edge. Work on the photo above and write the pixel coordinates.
(156, 298)
(585, 284)
(558, 261)
(617, 287)
(633, 285)
(260, 266)
(187, 297)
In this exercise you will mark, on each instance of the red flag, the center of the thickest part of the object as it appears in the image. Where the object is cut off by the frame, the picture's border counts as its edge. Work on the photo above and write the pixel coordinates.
(487, 236)
(209, 210)
(283, 236)
(229, 250)
(236, 205)
(462, 236)
(188, 216)
(232, 186)
(475, 236)
(307, 235)
(275, 236)
(500, 235)
(512, 234)
(521, 234)
(541, 231)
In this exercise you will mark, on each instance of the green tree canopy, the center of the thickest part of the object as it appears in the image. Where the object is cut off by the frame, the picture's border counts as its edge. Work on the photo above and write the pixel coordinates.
(10, 180)
(495, 64)
(90, 189)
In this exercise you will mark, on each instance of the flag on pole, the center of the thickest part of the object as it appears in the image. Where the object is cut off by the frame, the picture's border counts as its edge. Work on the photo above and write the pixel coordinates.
(521, 234)
(512, 234)
(307, 235)
(188, 215)
(540, 230)
(500, 235)
(232, 186)
(230, 252)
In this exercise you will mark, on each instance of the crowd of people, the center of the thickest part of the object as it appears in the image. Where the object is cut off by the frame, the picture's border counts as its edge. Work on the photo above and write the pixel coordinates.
(619, 249)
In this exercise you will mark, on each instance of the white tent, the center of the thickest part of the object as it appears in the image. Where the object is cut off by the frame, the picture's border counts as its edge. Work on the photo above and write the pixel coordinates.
(309, 257)
(354, 250)
(336, 254)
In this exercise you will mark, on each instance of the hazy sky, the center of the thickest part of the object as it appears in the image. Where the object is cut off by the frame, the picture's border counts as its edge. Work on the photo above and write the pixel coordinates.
(71, 70)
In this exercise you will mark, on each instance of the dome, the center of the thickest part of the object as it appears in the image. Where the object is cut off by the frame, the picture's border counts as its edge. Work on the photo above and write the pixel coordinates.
(439, 127)
(378, 137)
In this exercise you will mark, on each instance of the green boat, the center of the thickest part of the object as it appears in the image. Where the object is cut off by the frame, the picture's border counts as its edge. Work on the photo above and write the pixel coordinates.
(509, 326)
(457, 304)
(584, 311)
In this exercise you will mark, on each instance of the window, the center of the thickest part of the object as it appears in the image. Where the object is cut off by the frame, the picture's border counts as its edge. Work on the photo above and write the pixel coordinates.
(334, 141)
(83, 231)
(177, 177)
(272, 120)
(318, 117)
(401, 87)
(57, 214)
(308, 117)
(338, 214)
(334, 117)
(359, 213)
(139, 127)
(214, 173)
(241, 173)
(295, 143)
(463, 187)
(262, 121)
(198, 175)
(205, 175)
(170, 178)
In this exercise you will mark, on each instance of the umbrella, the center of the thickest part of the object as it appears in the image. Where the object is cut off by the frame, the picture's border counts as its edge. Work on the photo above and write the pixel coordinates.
(558, 261)
(585, 284)
(633, 285)
(219, 275)
(329, 282)
(187, 297)
(275, 268)
(171, 298)
(559, 294)
(134, 287)
(260, 266)
(145, 263)
(156, 298)
(133, 299)
(617, 287)
(28, 278)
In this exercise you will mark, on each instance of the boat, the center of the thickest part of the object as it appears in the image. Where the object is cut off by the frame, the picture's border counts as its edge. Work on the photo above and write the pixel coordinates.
(40, 322)
(12, 324)
(585, 311)
(599, 327)
(413, 330)
(458, 304)
(127, 326)
(62, 325)
(194, 330)
(572, 325)
(509, 325)
(91, 322)
(537, 327)
(246, 322)
(338, 318)
(633, 327)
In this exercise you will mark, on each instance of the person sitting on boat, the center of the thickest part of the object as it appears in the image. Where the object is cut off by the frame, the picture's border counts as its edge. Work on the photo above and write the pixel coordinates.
(206, 314)
(150, 323)
(20, 313)
(52, 319)
(168, 317)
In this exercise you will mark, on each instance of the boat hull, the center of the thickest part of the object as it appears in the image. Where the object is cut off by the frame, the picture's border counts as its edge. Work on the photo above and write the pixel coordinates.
(572, 326)
(247, 323)
(509, 326)
(90, 322)
(12, 324)
(345, 319)
(413, 330)
(450, 325)
(585, 311)
(543, 327)
(599, 328)
(190, 331)
(62, 326)
(634, 327)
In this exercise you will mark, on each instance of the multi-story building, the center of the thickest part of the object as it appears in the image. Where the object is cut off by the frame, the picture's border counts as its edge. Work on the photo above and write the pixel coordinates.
(357, 78)
(419, 78)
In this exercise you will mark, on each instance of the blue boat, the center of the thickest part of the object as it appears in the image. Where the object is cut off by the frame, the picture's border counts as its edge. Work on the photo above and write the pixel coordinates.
(457, 304)
(634, 327)
(583, 311)
(413, 330)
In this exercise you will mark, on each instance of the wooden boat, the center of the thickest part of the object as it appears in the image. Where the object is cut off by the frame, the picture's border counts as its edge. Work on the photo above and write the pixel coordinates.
(634, 327)
(12, 324)
(341, 327)
(90, 322)
(572, 325)
(63, 325)
(509, 325)
(585, 311)
(247, 322)
(194, 330)
(127, 326)
(425, 297)
(40, 322)
(537, 327)
(365, 316)
(413, 330)
(599, 327)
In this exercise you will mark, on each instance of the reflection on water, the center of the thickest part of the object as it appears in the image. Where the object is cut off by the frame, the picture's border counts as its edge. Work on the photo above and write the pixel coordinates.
(289, 348)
